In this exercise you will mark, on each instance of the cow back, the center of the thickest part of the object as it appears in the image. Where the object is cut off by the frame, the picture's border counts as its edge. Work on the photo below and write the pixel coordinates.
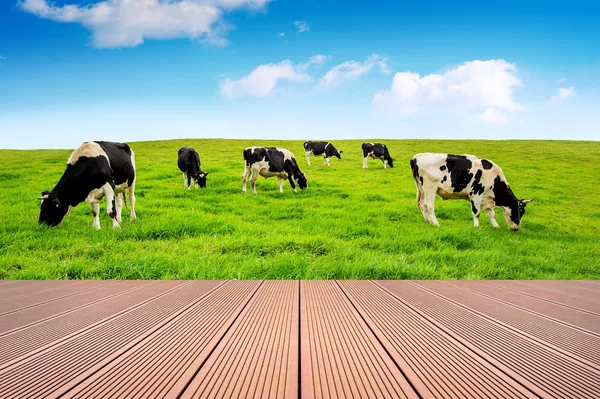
(121, 163)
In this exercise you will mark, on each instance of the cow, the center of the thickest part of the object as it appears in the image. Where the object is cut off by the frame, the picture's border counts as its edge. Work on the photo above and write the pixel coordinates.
(318, 148)
(269, 162)
(95, 170)
(479, 181)
(188, 162)
(376, 151)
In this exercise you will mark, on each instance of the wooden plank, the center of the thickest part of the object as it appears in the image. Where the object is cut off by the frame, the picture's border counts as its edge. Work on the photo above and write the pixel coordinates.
(48, 373)
(534, 365)
(13, 305)
(341, 357)
(436, 364)
(571, 342)
(561, 298)
(572, 317)
(36, 314)
(258, 357)
(162, 364)
(25, 288)
(19, 344)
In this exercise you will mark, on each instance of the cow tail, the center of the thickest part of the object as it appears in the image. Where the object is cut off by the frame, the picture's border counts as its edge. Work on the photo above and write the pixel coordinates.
(415, 170)
(125, 200)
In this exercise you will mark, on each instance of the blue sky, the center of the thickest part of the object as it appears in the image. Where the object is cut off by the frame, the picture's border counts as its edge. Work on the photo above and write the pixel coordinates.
(130, 70)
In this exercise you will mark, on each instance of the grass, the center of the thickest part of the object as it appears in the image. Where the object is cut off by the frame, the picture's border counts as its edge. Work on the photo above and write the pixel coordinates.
(350, 223)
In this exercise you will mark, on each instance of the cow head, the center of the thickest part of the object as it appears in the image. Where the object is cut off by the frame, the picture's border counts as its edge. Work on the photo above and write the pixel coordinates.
(512, 208)
(302, 182)
(522, 204)
(390, 161)
(201, 179)
(513, 214)
(338, 154)
(52, 211)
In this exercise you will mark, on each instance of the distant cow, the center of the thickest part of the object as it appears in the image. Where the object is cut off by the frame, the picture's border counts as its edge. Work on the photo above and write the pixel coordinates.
(95, 170)
(376, 151)
(318, 148)
(269, 162)
(465, 177)
(188, 162)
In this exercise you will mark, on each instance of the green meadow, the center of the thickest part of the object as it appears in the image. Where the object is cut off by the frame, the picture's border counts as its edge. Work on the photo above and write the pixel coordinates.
(350, 223)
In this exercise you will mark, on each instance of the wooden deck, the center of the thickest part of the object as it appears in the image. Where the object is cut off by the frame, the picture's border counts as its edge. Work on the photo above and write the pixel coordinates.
(325, 339)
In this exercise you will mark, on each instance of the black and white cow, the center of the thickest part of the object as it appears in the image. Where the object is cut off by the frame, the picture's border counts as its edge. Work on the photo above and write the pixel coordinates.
(376, 151)
(95, 170)
(479, 181)
(188, 162)
(318, 148)
(269, 162)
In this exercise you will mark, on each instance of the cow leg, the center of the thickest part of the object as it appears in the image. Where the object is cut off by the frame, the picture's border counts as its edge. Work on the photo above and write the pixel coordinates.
(119, 206)
(280, 179)
(326, 160)
(492, 216)
(185, 182)
(96, 214)
(132, 201)
(421, 203)
(385, 164)
(365, 166)
(429, 203)
(476, 210)
(253, 181)
(245, 179)
(291, 180)
(109, 192)
(307, 153)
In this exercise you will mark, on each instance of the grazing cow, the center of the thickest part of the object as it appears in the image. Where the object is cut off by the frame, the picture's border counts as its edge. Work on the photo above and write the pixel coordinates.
(479, 181)
(318, 148)
(188, 161)
(269, 162)
(95, 170)
(376, 151)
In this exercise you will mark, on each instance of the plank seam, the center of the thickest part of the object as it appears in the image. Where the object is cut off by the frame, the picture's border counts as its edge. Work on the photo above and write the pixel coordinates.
(127, 347)
(379, 341)
(538, 341)
(513, 376)
(58, 298)
(208, 356)
(546, 300)
(299, 339)
(573, 326)
(36, 352)
(54, 316)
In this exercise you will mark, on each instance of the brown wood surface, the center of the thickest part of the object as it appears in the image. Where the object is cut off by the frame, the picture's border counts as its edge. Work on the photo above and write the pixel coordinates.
(309, 339)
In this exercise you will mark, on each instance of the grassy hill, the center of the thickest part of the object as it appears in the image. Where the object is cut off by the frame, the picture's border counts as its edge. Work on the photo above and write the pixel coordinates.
(350, 223)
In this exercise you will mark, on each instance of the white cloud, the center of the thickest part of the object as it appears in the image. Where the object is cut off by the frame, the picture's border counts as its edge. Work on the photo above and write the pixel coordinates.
(126, 23)
(352, 70)
(314, 60)
(481, 88)
(262, 81)
(302, 26)
(280, 34)
(563, 94)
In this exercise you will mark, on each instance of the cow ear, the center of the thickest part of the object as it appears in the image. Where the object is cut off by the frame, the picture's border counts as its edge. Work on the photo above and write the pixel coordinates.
(56, 202)
(205, 173)
(341, 152)
(44, 195)
(527, 201)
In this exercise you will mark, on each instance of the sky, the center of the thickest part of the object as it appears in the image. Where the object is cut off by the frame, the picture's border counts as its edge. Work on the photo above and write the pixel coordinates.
(134, 70)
